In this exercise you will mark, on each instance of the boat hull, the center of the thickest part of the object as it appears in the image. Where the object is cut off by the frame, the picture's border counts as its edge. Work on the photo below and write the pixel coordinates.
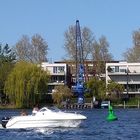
(38, 121)
(45, 118)
(44, 123)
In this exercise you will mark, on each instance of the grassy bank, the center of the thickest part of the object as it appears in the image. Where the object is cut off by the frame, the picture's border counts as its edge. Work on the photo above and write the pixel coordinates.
(7, 106)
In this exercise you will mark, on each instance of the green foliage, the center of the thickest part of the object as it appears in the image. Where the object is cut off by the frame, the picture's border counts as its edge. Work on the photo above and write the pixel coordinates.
(6, 54)
(97, 88)
(133, 101)
(114, 90)
(61, 94)
(5, 69)
(24, 83)
(7, 58)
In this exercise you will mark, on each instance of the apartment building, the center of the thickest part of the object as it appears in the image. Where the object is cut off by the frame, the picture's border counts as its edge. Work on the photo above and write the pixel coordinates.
(89, 67)
(64, 72)
(59, 74)
(127, 74)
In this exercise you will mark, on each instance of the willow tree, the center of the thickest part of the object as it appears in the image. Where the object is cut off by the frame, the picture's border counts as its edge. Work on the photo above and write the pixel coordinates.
(7, 59)
(25, 82)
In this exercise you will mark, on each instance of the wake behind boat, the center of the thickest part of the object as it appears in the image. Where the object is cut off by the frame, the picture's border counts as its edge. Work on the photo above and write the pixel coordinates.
(45, 117)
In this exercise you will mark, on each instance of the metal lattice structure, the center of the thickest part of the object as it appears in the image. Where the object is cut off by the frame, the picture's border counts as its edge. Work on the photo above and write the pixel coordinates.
(79, 86)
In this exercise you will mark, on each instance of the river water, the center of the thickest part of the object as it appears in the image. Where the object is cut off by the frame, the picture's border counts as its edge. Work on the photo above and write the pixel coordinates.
(127, 127)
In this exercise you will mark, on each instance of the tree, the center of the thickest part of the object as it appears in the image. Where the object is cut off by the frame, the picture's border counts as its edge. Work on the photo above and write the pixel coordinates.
(100, 50)
(61, 94)
(7, 58)
(34, 51)
(133, 54)
(114, 90)
(24, 83)
(6, 54)
(92, 49)
(97, 88)
(70, 42)
(100, 54)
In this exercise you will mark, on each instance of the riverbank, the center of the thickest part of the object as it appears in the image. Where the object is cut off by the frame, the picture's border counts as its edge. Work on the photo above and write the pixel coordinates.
(91, 106)
(81, 106)
(7, 106)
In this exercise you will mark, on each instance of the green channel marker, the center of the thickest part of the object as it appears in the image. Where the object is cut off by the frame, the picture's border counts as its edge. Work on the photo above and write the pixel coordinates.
(111, 116)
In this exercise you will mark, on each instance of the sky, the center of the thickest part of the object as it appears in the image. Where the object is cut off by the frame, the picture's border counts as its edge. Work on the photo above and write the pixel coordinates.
(115, 19)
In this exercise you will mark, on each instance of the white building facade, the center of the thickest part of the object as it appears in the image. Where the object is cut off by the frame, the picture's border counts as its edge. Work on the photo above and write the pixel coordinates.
(127, 74)
(58, 74)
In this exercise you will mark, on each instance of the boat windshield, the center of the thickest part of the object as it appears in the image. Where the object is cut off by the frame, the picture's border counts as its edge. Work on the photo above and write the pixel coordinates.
(52, 108)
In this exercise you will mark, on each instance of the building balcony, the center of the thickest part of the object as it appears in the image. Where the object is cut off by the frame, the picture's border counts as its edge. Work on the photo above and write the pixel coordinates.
(132, 92)
(56, 83)
(130, 82)
(123, 73)
(58, 73)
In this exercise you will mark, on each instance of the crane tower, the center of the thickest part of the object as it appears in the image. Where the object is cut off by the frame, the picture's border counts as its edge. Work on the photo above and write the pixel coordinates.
(79, 85)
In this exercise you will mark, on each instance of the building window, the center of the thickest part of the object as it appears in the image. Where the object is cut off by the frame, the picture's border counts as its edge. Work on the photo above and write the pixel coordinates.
(53, 78)
(116, 68)
(54, 69)
(122, 70)
(58, 69)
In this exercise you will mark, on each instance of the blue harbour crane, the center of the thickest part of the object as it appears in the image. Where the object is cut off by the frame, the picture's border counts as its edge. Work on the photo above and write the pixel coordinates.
(78, 88)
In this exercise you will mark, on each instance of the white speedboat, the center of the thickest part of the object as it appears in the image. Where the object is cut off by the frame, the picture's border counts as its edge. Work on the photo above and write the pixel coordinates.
(45, 117)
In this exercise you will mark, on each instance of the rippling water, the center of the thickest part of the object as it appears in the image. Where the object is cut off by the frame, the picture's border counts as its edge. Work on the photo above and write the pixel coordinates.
(127, 127)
